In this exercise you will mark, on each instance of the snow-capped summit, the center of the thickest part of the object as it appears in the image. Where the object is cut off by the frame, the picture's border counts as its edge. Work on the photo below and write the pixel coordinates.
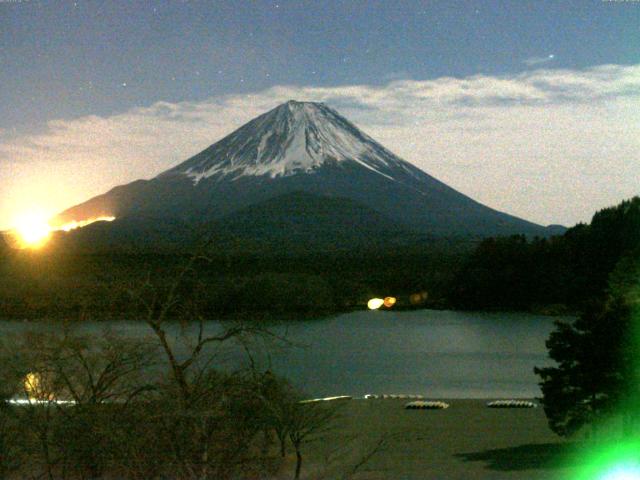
(295, 137)
(302, 148)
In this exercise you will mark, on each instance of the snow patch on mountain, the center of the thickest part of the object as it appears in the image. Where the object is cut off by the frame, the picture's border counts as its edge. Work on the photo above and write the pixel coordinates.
(296, 137)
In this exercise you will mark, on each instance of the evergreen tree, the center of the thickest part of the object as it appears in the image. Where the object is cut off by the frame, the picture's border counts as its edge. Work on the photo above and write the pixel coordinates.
(598, 359)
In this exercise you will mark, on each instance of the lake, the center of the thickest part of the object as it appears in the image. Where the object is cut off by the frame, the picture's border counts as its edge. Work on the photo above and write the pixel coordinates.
(439, 354)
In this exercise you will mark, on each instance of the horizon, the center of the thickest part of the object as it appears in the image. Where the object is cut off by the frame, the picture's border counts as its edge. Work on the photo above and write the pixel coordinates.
(538, 120)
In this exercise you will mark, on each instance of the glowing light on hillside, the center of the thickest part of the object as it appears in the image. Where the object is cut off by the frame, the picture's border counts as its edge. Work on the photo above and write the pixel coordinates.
(33, 229)
(67, 227)
(375, 303)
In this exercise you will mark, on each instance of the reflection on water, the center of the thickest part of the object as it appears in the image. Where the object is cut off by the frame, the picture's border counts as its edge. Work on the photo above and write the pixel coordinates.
(441, 354)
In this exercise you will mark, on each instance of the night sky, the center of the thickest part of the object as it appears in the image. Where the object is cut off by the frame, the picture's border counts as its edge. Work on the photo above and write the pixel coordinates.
(529, 107)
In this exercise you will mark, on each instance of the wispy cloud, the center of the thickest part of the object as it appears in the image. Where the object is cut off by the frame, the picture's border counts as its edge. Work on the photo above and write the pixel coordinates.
(534, 61)
(548, 145)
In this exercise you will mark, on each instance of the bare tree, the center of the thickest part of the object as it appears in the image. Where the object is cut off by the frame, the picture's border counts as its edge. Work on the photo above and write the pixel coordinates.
(308, 421)
(293, 419)
(77, 388)
(207, 405)
(152, 408)
(9, 433)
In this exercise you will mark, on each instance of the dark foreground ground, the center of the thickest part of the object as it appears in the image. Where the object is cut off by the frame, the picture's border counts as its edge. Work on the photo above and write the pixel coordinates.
(378, 439)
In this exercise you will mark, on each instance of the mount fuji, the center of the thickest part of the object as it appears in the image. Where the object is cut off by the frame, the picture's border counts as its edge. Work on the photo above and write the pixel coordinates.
(298, 168)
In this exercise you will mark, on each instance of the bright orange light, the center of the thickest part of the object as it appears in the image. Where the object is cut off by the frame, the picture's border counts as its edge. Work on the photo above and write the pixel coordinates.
(389, 301)
(32, 230)
(375, 303)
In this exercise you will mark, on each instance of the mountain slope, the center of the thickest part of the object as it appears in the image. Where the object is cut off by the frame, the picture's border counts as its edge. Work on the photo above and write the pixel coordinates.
(302, 147)
(297, 221)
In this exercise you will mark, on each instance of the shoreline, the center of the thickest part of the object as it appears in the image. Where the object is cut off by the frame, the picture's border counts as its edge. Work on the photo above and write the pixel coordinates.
(466, 440)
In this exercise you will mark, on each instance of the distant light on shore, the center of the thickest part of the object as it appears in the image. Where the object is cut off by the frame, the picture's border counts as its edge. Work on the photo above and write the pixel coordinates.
(389, 301)
(375, 303)
(35, 388)
(418, 298)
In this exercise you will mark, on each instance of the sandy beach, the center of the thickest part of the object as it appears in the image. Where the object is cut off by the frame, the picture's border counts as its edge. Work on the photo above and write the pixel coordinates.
(465, 441)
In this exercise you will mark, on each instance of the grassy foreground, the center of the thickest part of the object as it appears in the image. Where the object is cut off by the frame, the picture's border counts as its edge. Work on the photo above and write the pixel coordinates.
(465, 441)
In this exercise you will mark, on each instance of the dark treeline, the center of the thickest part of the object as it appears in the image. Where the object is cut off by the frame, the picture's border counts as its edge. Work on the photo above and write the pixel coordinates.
(554, 275)
(38, 284)
(566, 272)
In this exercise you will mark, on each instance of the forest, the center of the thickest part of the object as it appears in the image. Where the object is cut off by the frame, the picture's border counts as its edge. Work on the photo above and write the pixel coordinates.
(554, 275)
(566, 272)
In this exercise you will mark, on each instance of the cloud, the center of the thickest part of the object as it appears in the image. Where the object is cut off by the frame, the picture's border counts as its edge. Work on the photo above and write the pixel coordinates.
(548, 145)
(534, 61)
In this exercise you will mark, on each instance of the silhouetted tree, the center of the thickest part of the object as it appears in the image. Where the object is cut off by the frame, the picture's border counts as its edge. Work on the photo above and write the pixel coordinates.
(598, 358)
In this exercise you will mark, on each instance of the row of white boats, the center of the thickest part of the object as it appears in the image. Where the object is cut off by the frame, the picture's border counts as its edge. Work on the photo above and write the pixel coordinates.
(420, 403)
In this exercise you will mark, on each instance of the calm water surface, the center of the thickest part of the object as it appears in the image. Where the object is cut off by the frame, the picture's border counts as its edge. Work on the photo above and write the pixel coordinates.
(442, 354)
